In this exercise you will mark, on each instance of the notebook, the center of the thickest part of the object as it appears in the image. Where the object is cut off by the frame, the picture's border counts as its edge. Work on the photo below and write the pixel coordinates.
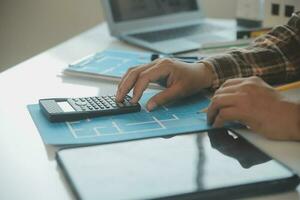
(107, 65)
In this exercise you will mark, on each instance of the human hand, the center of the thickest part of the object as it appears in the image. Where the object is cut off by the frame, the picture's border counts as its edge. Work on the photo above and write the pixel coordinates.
(180, 79)
(257, 105)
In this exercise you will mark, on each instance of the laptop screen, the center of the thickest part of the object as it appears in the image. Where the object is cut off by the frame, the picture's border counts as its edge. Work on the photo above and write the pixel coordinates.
(126, 10)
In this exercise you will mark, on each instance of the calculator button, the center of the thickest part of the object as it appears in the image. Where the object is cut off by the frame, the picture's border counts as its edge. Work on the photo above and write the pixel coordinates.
(80, 103)
(84, 108)
(100, 104)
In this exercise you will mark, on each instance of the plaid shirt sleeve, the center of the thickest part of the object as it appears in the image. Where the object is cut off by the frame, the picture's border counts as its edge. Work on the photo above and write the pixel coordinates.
(275, 57)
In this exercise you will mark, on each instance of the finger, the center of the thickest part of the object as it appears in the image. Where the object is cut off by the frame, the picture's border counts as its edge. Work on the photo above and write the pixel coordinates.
(227, 114)
(142, 67)
(228, 90)
(218, 102)
(150, 75)
(169, 94)
(126, 74)
(233, 81)
(129, 80)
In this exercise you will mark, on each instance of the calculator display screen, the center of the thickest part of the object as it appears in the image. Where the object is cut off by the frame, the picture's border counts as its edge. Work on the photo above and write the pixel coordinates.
(65, 106)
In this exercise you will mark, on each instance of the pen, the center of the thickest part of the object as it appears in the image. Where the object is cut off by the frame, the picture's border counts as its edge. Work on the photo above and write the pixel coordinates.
(288, 86)
(188, 59)
(281, 88)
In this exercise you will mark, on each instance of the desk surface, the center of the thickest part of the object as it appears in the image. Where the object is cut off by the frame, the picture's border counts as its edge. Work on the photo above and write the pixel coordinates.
(28, 168)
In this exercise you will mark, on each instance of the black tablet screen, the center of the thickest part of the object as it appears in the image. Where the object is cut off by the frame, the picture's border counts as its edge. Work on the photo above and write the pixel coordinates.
(161, 167)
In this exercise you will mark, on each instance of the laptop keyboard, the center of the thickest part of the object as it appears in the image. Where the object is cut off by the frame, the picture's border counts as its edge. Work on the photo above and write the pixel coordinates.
(174, 33)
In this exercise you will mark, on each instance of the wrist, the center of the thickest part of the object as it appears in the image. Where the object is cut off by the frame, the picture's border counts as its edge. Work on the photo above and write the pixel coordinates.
(206, 74)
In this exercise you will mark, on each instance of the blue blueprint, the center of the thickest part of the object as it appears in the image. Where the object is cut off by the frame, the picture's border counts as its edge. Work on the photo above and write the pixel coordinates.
(176, 118)
(112, 63)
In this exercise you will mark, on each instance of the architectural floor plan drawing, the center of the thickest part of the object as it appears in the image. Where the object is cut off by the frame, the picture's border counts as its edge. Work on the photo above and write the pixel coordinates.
(176, 118)
(132, 123)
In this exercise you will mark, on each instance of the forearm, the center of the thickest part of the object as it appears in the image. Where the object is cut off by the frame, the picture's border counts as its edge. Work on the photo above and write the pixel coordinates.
(275, 57)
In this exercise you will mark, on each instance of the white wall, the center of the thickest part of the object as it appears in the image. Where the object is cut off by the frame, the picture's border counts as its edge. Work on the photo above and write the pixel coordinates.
(219, 8)
(28, 27)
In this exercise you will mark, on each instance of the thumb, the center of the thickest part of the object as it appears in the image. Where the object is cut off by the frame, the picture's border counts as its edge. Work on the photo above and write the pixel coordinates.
(163, 97)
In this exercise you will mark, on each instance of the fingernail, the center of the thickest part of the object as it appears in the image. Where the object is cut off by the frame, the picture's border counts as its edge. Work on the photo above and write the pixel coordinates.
(214, 125)
(117, 98)
(133, 100)
(151, 105)
(209, 121)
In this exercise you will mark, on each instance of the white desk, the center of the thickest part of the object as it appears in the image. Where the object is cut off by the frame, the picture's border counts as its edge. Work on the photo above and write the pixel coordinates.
(28, 169)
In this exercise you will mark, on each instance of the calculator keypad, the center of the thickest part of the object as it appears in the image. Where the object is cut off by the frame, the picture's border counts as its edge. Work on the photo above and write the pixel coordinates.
(99, 103)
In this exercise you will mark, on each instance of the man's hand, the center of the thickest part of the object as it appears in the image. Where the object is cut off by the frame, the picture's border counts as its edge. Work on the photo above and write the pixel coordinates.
(257, 105)
(180, 79)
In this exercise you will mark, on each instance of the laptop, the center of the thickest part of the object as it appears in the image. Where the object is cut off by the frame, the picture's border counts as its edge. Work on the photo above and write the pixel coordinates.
(166, 26)
(218, 164)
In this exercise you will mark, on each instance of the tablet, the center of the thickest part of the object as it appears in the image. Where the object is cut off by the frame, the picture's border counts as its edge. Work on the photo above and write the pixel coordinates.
(217, 164)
